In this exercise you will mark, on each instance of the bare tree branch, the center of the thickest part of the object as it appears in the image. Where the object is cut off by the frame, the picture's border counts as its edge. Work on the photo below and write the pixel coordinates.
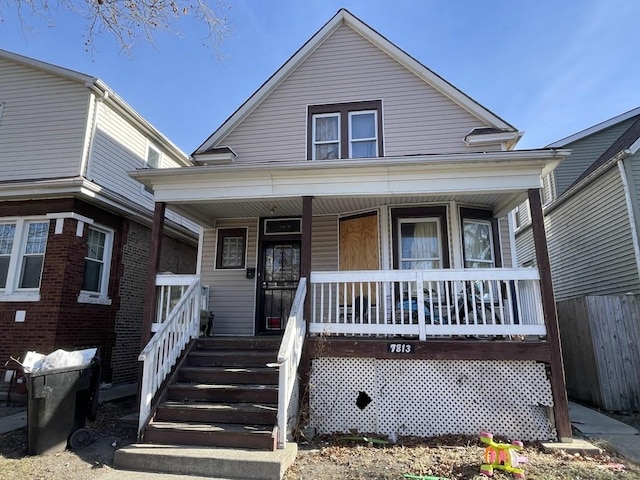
(130, 21)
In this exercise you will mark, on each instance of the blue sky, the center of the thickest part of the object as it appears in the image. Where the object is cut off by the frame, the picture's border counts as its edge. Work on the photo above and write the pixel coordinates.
(550, 68)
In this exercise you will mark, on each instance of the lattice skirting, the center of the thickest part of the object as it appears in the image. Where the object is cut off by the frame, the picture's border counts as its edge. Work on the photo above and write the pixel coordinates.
(431, 397)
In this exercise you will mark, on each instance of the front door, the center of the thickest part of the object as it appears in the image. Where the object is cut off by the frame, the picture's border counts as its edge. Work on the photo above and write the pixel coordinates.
(279, 276)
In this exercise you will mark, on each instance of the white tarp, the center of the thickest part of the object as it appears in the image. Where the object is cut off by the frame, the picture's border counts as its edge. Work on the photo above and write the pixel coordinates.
(37, 362)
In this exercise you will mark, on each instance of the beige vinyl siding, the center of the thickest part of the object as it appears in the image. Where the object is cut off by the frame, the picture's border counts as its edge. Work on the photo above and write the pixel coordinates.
(584, 152)
(589, 240)
(120, 147)
(324, 244)
(232, 296)
(347, 68)
(505, 242)
(43, 123)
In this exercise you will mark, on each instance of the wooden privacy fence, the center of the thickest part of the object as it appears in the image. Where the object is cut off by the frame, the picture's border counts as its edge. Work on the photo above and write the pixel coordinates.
(601, 349)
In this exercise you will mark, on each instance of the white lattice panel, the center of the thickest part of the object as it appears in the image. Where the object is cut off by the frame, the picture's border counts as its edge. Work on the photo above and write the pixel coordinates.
(431, 397)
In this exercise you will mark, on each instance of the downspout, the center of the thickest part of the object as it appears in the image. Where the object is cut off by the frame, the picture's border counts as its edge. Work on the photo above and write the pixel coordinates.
(99, 96)
(630, 209)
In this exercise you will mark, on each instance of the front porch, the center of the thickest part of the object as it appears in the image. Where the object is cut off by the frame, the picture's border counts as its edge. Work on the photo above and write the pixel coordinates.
(401, 307)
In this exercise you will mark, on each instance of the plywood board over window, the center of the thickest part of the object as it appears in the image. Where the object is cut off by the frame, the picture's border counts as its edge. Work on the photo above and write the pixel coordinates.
(359, 243)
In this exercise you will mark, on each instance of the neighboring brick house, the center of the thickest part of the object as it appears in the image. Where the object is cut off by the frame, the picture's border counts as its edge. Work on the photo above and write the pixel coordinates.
(74, 228)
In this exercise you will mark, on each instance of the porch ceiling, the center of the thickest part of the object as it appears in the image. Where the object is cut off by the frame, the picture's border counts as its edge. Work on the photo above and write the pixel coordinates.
(206, 212)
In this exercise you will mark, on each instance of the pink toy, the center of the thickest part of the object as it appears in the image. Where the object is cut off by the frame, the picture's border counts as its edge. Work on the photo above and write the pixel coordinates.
(501, 456)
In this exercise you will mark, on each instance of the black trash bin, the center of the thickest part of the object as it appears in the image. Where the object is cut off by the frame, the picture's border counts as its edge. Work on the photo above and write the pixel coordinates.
(58, 403)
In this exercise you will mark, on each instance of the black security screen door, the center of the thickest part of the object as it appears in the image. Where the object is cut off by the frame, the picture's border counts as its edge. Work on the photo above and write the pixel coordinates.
(278, 283)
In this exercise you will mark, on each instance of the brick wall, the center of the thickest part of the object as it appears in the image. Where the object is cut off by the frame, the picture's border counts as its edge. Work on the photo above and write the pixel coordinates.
(176, 257)
(58, 320)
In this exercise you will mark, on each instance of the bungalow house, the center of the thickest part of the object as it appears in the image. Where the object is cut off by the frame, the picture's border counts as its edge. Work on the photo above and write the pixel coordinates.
(74, 227)
(355, 214)
(591, 217)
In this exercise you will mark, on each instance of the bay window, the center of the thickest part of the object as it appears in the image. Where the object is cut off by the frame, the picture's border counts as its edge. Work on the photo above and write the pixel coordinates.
(22, 249)
(97, 261)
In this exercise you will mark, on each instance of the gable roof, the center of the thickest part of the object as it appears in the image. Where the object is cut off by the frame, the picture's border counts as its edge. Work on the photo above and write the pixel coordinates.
(101, 89)
(595, 129)
(627, 144)
(343, 16)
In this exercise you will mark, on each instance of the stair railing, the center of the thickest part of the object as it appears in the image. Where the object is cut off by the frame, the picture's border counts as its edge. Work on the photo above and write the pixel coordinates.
(289, 358)
(166, 346)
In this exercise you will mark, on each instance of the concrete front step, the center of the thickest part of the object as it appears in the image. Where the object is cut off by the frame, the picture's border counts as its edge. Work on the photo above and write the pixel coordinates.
(241, 413)
(206, 462)
(223, 393)
(212, 435)
(248, 375)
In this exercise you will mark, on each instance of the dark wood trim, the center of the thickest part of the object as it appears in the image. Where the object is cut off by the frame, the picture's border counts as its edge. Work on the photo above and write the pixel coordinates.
(558, 384)
(343, 110)
(305, 251)
(222, 233)
(430, 350)
(150, 304)
(482, 214)
(420, 212)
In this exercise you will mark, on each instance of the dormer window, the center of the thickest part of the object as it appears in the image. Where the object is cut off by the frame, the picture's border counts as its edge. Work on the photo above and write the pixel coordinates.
(345, 130)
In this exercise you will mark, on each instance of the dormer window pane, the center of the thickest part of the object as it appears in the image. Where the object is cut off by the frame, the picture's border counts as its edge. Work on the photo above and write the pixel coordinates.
(326, 136)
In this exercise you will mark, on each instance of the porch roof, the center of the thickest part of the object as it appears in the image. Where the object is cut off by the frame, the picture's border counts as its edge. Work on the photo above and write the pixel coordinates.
(203, 193)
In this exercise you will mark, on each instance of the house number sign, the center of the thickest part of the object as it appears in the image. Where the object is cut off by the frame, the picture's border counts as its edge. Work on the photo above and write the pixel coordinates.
(400, 348)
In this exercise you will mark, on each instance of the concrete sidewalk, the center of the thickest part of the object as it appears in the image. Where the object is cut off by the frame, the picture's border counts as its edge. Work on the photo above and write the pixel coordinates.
(594, 425)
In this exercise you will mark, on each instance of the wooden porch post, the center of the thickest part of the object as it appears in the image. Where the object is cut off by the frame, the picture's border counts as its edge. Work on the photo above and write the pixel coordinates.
(305, 249)
(150, 305)
(558, 385)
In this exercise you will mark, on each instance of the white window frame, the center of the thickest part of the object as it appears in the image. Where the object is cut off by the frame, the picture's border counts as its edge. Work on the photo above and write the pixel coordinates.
(151, 147)
(102, 296)
(490, 264)
(315, 143)
(12, 292)
(439, 258)
(373, 139)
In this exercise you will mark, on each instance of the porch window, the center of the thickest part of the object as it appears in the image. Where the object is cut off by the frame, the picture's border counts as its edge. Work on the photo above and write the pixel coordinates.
(97, 263)
(22, 250)
(420, 244)
(231, 249)
(345, 130)
(478, 243)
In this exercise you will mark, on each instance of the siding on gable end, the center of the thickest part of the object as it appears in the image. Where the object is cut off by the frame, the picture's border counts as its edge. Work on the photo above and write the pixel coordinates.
(231, 296)
(348, 68)
(119, 147)
(590, 243)
(43, 123)
(584, 152)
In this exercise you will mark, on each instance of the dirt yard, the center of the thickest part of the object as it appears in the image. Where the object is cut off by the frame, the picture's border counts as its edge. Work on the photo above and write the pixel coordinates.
(453, 457)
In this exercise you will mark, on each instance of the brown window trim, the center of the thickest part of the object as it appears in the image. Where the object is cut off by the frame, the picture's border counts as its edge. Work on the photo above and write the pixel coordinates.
(225, 233)
(482, 214)
(343, 109)
(420, 212)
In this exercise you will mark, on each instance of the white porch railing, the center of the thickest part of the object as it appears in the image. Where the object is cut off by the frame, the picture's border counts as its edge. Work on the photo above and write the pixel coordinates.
(170, 289)
(421, 303)
(289, 359)
(180, 325)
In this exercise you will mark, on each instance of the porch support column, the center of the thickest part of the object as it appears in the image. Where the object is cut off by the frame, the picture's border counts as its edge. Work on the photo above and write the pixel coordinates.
(150, 304)
(305, 249)
(558, 385)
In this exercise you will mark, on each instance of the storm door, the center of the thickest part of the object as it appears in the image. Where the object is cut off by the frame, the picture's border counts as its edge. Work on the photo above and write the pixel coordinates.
(279, 276)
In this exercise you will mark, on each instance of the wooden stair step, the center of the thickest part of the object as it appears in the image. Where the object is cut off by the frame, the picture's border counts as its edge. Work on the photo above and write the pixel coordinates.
(223, 392)
(238, 343)
(231, 358)
(207, 434)
(228, 374)
(243, 413)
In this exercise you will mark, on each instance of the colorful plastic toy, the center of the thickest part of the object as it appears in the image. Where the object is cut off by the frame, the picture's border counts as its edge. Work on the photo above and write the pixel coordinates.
(501, 456)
